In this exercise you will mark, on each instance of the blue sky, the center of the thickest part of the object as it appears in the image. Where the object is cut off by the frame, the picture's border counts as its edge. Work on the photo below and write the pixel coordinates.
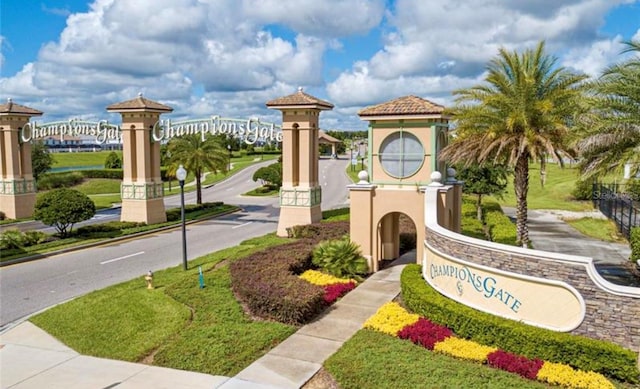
(72, 58)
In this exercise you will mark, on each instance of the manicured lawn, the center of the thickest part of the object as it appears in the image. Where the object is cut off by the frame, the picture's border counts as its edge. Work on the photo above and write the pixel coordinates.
(556, 193)
(94, 186)
(81, 159)
(374, 360)
(602, 229)
(183, 326)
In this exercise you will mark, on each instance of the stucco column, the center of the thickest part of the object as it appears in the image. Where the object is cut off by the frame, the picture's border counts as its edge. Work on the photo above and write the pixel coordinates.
(17, 186)
(362, 230)
(300, 194)
(141, 188)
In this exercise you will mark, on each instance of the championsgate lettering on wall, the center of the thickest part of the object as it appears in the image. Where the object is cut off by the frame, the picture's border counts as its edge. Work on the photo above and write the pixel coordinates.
(488, 286)
(101, 130)
(250, 130)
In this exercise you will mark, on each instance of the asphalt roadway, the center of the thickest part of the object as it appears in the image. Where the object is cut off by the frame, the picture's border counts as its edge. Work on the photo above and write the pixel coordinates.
(30, 287)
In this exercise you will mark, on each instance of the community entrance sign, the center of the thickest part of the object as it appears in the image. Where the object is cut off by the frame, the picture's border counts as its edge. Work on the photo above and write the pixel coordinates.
(248, 130)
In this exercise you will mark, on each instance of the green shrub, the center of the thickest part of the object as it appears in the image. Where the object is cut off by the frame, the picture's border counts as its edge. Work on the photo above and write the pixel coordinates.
(336, 213)
(471, 226)
(51, 181)
(583, 190)
(533, 342)
(62, 208)
(174, 214)
(3, 215)
(634, 242)
(12, 239)
(501, 229)
(113, 161)
(268, 283)
(341, 258)
(114, 174)
(633, 189)
(32, 238)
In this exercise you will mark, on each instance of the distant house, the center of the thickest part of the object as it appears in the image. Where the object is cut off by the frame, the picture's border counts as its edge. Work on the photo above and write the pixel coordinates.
(326, 139)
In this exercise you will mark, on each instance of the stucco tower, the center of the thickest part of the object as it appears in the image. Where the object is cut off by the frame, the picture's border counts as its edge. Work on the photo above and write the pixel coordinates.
(300, 195)
(141, 189)
(405, 137)
(17, 186)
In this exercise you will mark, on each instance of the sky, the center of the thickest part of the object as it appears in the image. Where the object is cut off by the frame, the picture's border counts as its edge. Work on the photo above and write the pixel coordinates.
(73, 58)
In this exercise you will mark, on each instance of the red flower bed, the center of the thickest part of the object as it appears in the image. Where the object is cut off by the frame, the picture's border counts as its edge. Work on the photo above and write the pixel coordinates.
(333, 292)
(528, 368)
(425, 333)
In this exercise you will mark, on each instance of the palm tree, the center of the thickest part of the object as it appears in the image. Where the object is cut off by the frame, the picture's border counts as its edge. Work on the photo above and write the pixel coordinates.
(523, 112)
(197, 156)
(612, 126)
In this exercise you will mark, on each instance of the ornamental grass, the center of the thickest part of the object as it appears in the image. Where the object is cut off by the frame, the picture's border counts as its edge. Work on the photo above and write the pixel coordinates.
(394, 320)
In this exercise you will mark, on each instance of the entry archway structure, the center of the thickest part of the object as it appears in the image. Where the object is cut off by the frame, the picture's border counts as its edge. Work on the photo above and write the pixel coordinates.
(300, 194)
(141, 189)
(17, 186)
(326, 139)
(405, 136)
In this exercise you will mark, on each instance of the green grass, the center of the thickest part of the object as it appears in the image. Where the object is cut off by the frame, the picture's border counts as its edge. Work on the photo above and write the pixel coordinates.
(556, 193)
(352, 171)
(94, 186)
(602, 229)
(374, 360)
(81, 159)
(263, 191)
(185, 327)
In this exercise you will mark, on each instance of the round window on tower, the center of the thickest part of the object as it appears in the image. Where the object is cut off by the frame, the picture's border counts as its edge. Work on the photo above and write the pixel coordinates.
(401, 154)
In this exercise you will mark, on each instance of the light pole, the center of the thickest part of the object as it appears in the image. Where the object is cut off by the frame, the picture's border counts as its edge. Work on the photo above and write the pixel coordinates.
(229, 148)
(181, 175)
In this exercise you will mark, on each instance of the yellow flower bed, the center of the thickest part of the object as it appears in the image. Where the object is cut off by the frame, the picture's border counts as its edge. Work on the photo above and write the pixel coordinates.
(318, 278)
(464, 349)
(390, 319)
(560, 374)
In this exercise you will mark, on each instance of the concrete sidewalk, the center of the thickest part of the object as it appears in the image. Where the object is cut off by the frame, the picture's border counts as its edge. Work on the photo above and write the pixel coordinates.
(31, 358)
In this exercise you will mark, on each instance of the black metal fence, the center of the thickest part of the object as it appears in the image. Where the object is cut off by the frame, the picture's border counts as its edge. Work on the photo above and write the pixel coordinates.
(618, 205)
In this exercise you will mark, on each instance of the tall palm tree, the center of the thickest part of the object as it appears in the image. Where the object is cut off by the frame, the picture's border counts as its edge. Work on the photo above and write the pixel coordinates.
(612, 126)
(522, 112)
(197, 156)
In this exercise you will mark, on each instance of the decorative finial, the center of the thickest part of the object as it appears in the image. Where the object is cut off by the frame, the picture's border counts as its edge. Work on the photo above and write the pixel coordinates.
(451, 175)
(436, 178)
(8, 99)
(139, 94)
(299, 89)
(363, 176)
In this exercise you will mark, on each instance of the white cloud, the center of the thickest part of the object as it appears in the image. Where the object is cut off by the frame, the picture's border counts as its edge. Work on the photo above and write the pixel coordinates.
(228, 57)
(439, 45)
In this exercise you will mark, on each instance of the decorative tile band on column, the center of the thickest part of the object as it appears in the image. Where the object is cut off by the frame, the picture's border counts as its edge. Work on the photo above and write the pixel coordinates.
(296, 197)
(15, 187)
(146, 191)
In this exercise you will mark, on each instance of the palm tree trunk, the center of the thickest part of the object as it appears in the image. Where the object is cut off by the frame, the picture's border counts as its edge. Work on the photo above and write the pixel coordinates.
(479, 207)
(198, 187)
(521, 185)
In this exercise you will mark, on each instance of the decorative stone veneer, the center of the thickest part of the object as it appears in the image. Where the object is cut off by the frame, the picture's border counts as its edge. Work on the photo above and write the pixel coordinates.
(612, 311)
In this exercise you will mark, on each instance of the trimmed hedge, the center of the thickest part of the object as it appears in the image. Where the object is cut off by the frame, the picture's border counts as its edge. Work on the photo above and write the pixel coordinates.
(267, 281)
(501, 229)
(174, 214)
(114, 174)
(579, 352)
(634, 242)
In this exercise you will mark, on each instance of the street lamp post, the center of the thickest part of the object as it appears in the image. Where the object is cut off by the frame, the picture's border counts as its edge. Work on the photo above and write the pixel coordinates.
(229, 148)
(181, 175)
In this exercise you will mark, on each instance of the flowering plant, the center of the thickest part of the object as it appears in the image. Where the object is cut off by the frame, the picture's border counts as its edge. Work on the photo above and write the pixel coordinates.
(394, 320)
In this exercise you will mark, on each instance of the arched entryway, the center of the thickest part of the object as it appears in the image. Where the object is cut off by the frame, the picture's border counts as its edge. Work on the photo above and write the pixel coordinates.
(396, 235)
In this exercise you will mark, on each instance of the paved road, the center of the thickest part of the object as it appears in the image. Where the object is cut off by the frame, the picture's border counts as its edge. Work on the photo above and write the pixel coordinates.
(30, 287)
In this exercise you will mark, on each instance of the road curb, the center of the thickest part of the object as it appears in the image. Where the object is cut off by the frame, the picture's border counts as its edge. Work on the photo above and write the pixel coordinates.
(110, 241)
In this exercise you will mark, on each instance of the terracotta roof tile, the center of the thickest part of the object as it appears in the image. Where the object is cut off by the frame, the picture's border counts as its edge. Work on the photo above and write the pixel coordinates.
(407, 105)
(11, 107)
(139, 103)
(327, 137)
(300, 98)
